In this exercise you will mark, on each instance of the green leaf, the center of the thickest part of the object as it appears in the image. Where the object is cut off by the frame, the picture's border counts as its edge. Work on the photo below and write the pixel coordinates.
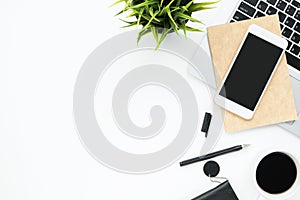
(127, 4)
(142, 33)
(132, 14)
(154, 33)
(117, 2)
(119, 13)
(146, 3)
(174, 28)
(178, 3)
(146, 17)
(172, 20)
(183, 27)
(140, 16)
(170, 3)
(167, 7)
(202, 6)
(189, 4)
(175, 9)
(154, 14)
(187, 17)
(129, 23)
(162, 37)
(161, 3)
(188, 28)
(149, 22)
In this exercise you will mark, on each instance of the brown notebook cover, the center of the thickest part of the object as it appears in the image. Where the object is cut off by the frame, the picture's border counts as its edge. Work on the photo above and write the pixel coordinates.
(277, 104)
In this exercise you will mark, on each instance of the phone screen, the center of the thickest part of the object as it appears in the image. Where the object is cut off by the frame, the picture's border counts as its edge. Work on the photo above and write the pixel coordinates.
(251, 71)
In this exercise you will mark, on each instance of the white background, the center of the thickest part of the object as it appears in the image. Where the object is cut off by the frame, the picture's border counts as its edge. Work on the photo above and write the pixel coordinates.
(42, 47)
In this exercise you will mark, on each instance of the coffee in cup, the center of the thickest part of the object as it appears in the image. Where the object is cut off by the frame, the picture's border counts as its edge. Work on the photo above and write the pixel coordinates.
(276, 175)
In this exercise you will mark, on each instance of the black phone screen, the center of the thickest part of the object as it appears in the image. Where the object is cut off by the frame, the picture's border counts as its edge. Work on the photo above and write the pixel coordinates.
(251, 71)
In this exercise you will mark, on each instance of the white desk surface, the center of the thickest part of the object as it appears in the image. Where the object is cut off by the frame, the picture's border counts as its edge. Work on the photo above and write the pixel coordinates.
(42, 46)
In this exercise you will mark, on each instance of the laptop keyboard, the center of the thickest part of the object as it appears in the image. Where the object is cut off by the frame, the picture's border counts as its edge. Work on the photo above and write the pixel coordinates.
(289, 16)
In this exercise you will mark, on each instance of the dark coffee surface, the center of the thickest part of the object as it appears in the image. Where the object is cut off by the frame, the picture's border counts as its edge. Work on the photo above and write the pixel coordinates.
(276, 173)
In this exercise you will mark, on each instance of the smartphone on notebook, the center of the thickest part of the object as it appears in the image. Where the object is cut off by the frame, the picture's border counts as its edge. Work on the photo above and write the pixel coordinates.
(251, 72)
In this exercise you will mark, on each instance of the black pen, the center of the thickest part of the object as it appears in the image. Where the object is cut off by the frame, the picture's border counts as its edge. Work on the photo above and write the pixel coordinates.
(213, 155)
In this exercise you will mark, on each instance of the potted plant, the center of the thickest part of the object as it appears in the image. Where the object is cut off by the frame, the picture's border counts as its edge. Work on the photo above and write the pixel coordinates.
(162, 16)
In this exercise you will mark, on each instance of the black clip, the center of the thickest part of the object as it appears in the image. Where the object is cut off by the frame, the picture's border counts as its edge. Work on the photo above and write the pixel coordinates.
(206, 123)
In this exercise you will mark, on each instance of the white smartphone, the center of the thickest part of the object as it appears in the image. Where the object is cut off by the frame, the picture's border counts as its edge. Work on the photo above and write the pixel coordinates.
(251, 72)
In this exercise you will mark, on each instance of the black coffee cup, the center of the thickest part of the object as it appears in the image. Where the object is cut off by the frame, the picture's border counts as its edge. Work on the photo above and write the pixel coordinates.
(277, 175)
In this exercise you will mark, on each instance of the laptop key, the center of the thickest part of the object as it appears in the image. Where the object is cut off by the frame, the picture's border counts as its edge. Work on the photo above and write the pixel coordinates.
(293, 60)
(252, 2)
(281, 26)
(281, 5)
(282, 16)
(259, 14)
(290, 22)
(296, 3)
(262, 6)
(296, 38)
(271, 11)
(273, 2)
(287, 32)
(295, 50)
(289, 45)
(245, 8)
(239, 16)
(290, 10)
(297, 27)
(297, 16)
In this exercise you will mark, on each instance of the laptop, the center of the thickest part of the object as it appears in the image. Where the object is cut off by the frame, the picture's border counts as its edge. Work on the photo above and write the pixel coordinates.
(289, 15)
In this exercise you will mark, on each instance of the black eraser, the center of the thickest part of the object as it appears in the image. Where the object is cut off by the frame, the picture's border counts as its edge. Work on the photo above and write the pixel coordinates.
(206, 123)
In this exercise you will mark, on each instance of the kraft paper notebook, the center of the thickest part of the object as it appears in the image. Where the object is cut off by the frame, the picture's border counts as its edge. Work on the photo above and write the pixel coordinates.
(277, 104)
